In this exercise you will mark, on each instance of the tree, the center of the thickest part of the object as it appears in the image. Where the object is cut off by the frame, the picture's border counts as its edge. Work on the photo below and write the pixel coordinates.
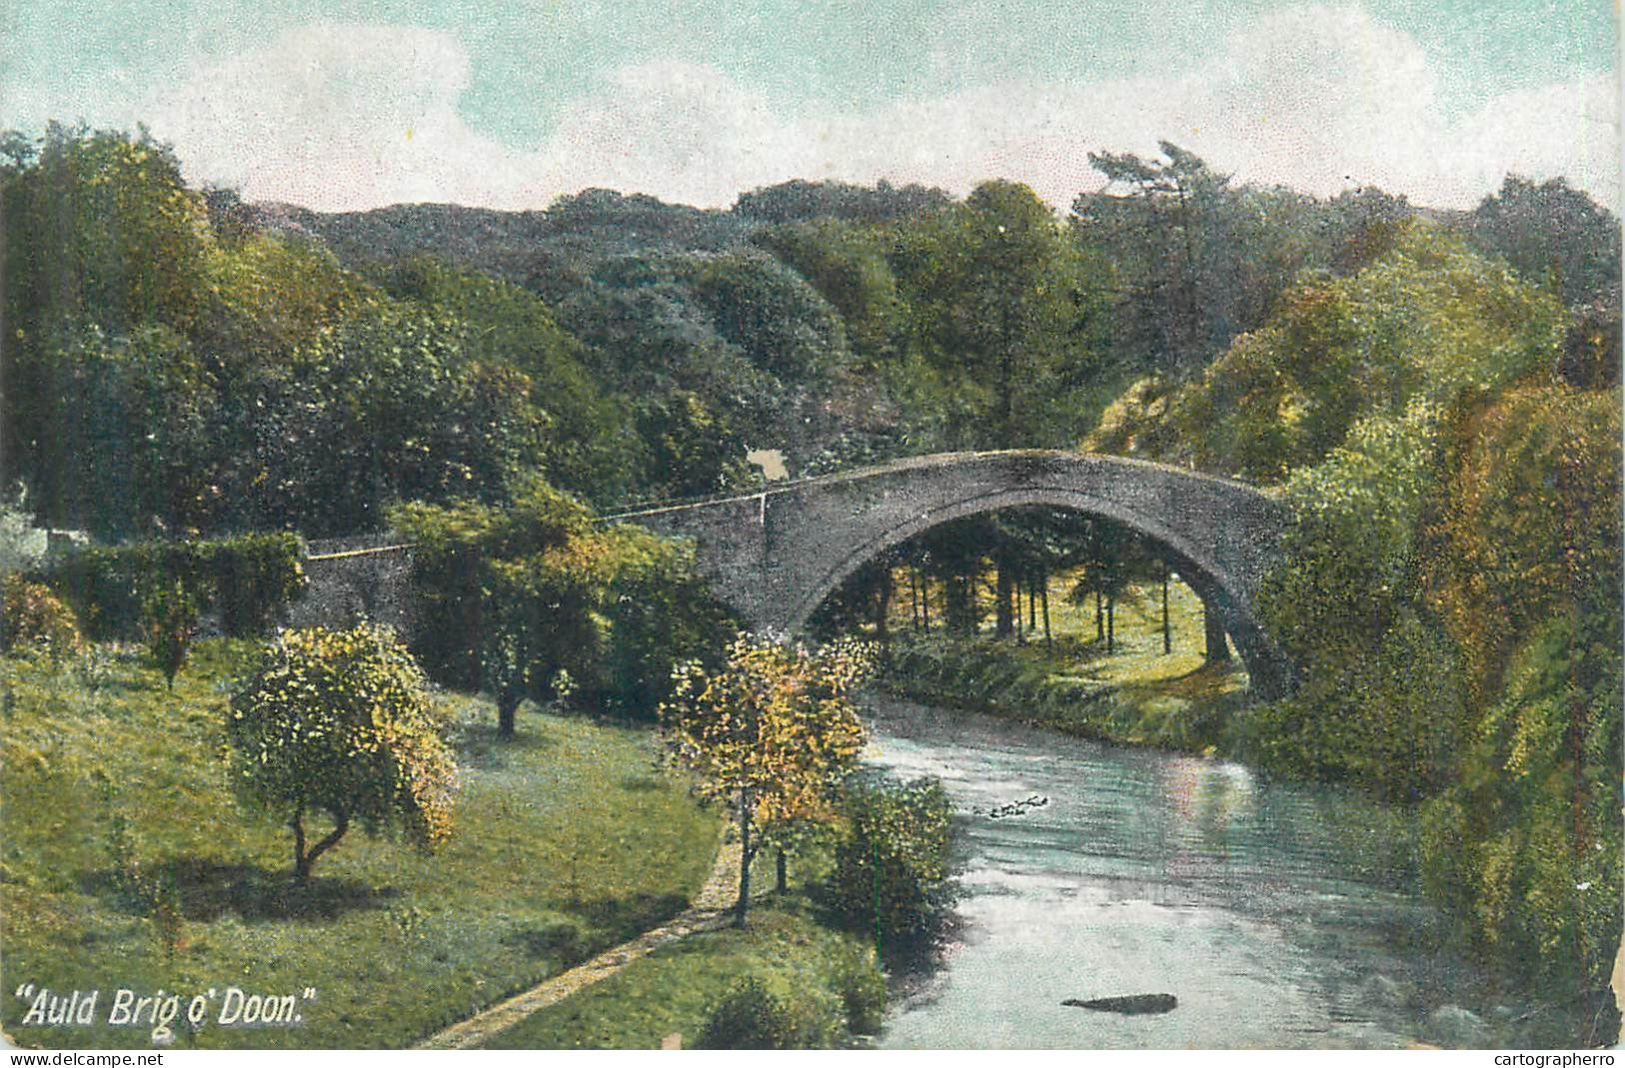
(1007, 320)
(863, 600)
(456, 550)
(847, 264)
(1001, 307)
(169, 617)
(953, 552)
(659, 611)
(586, 448)
(1592, 345)
(127, 242)
(1364, 223)
(101, 240)
(1430, 319)
(513, 596)
(420, 419)
(800, 199)
(340, 722)
(772, 732)
(1159, 234)
(780, 322)
(1551, 235)
(268, 293)
(120, 439)
(689, 446)
(1110, 558)
(537, 621)
(162, 374)
(1198, 260)
(1048, 540)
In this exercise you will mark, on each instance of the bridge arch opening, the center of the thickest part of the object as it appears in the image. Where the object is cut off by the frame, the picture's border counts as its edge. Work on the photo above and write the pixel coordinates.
(1187, 563)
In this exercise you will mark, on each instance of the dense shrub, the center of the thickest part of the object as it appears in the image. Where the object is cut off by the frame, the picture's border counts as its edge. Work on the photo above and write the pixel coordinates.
(511, 597)
(1392, 722)
(1531, 522)
(892, 861)
(250, 579)
(1525, 848)
(169, 621)
(862, 989)
(31, 616)
(340, 722)
(751, 1016)
(254, 577)
(1383, 699)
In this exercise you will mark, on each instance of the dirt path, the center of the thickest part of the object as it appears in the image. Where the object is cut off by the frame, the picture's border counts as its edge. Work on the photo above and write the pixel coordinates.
(712, 908)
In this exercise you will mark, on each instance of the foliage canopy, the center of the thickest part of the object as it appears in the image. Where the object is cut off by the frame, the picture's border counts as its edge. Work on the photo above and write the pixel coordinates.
(341, 723)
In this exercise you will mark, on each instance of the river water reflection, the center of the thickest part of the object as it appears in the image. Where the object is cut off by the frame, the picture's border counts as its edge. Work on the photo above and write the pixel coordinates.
(1278, 914)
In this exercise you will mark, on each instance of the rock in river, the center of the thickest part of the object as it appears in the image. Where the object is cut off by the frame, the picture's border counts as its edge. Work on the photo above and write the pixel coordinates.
(1130, 1005)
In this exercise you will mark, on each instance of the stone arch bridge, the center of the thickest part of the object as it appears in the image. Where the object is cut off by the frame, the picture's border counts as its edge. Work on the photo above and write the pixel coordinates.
(776, 554)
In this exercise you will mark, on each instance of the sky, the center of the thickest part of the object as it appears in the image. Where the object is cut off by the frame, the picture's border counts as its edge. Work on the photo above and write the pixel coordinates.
(353, 104)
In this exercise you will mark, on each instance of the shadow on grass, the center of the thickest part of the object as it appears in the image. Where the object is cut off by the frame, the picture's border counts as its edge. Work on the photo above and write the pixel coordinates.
(481, 747)
(1220, 682)
(629, 915)
(560, 941)
(207, 890)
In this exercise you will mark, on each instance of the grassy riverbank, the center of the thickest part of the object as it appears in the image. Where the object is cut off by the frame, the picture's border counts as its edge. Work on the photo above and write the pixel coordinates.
(827, 976)
(568, 840)
(1137, 694)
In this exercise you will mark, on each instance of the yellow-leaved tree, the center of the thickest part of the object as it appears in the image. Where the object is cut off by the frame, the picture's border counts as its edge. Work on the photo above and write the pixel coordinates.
(341, 723)
(773, 732)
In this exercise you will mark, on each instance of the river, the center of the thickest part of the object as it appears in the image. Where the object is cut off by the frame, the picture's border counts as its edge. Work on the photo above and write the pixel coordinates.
(1279, 915)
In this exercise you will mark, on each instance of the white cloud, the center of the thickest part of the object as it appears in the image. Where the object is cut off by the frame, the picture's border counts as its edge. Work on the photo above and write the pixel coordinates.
(1569, 129)
(338, 116)
(1316, 97)
(676, 129)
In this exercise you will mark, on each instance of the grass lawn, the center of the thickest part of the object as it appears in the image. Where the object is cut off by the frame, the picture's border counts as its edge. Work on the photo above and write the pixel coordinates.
(568, 839)
(672, 990)
(1137, 655)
